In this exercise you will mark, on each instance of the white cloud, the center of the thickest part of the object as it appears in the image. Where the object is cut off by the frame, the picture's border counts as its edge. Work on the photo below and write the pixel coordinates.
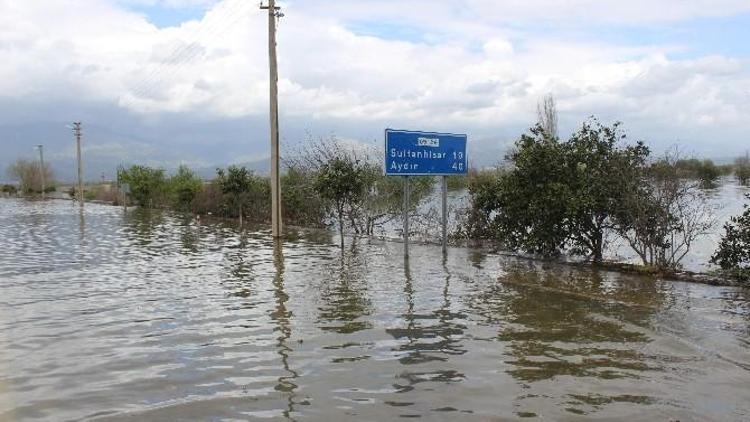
(481, 77)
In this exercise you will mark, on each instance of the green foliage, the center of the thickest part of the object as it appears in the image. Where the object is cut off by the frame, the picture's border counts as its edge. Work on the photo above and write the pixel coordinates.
(210, 200)
(301, 203)
(742, 169)
(9, 189)
(245, 194)
(147, 185)
(384, 198)
(349, 186)
(183, 187)
(708, 173)
(457, 182)
(484, 200)
(532, 198)
(705, 171)
(733, 254)
(341, 182)
(600, 172)
(557, 195)
(89, 195)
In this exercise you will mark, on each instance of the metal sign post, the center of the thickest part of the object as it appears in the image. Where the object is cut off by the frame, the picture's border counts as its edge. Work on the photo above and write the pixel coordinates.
(410, 153)
(444, 189)
(406, 216)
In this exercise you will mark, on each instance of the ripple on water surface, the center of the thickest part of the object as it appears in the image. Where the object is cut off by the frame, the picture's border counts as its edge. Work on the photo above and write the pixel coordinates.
(155, 316)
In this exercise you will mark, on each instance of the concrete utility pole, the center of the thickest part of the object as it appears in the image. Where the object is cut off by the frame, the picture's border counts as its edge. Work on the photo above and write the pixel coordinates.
(77, 131)
(41, 172)
(273, 14)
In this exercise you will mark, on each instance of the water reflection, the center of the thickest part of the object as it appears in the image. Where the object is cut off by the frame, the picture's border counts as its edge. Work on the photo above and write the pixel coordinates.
(345, 302)
(81, 226)
(553, 332)
(145, 225)
(174, 320)
(189, 235)
(240, 276)
(422, 343)
(281, 315)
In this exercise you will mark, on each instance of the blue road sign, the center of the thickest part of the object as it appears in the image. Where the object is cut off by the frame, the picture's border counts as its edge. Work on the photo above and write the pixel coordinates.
(409, 153)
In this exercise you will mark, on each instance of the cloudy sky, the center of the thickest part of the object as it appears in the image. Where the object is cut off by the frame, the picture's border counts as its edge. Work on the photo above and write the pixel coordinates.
(165, 82)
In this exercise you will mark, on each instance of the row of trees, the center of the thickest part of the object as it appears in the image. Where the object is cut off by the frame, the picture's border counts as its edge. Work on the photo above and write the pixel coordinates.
(570, 196)
(325, 183)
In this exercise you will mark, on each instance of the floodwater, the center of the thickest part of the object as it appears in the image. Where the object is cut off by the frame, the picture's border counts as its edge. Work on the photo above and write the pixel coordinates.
(140, 315)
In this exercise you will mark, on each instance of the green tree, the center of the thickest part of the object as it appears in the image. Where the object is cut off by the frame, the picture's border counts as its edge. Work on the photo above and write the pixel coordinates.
(10, 190)
(183, 187)
(559, 195)
(341, 182)
(742, 169)
(531, 207)
(600, 172)
(302, 205)
(733, 254)
(147, 185)
(708, 174)
(484, 187)
(243, 190)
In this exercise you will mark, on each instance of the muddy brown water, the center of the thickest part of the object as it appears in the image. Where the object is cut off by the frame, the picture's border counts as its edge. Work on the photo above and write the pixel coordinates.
(108, 315)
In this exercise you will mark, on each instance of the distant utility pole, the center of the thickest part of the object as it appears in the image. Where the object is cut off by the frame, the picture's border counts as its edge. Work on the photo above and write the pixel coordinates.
(77, 132)
(41, 161)
(273, 14)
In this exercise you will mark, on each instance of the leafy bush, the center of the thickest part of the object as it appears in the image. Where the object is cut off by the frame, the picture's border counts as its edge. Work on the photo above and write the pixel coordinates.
(708, 174)
(733, 254)
(209, 200)
(705, 171)
(9, 189)
(301, 204)
(245, 194)
(341, 182)
(742, 169)
(457, 182)
(484, 200)
(148, 186)
(183, 187)
(363, 204)
(557, 195)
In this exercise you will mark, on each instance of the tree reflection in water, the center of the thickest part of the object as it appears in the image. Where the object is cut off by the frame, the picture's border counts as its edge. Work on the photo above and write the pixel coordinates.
(146, 225)
(345, 294)
(425, 344)
(565, 325)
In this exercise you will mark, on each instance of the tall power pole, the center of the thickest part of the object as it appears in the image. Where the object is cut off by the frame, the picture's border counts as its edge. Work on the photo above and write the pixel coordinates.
(41, 167)
(273, 14)
(77, 132)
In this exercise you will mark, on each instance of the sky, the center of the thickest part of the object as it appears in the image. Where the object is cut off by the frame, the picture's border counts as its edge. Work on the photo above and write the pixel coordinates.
(169, 82)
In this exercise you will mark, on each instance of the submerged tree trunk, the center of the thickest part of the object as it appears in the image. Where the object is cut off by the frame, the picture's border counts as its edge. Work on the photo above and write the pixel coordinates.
(598, 246)
(341, 225)
(240, 214)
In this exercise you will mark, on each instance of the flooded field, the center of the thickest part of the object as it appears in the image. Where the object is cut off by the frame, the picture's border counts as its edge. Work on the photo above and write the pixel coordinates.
(153, 316)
